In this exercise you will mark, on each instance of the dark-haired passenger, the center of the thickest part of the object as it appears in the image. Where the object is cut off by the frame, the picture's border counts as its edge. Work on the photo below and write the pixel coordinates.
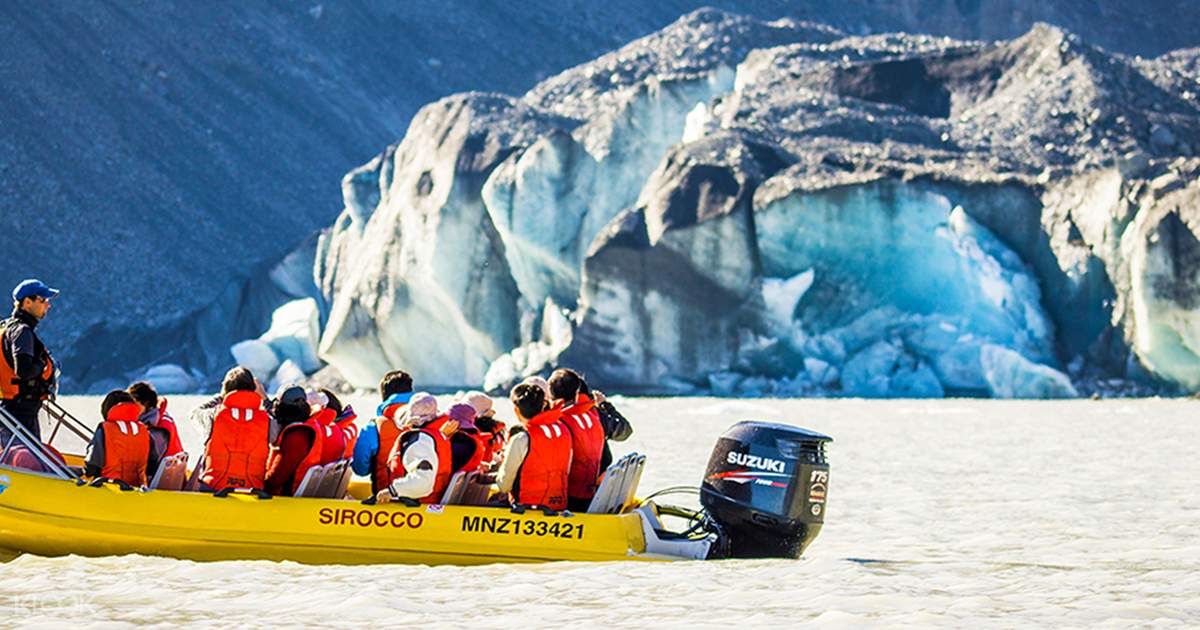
(376, 440)
(154, 415)
(307, 438)
(121, 448)
(239, 439)
(237, 379)
(583, 410)
(537, 458)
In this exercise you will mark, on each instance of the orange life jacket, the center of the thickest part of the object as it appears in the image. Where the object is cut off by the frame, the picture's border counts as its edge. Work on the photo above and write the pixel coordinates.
(388, 434)
(237, 451)
(126, 445)
(587, 447)
(9, 388)
(444, 454)
(542, 479)
(165, 421)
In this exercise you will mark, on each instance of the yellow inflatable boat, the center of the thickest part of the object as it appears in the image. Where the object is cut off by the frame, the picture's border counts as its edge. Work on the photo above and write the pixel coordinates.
(749, 512)
(53, 517)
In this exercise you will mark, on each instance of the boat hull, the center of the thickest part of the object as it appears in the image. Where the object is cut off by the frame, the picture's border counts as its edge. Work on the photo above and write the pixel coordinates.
(51, 517)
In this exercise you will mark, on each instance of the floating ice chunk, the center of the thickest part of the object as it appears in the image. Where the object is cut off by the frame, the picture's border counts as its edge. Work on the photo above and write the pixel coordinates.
(723, 383)
(287, 374)
(257, 356)
(959, 368)
(872, 326)
(820, 372)
(533, 357)
(170, 379)
(294, 333)
(885, 370)
(1010, 375)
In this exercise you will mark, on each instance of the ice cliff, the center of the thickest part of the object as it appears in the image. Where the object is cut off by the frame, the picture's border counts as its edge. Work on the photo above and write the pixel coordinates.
(739, 206)
(159, 161)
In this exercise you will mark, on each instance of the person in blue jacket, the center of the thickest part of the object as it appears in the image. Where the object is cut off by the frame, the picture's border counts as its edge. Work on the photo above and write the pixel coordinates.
(377, 438)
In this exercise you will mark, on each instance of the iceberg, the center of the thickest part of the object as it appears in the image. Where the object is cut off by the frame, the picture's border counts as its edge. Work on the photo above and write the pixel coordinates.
(536, 357)
(257, 356)
(288, 374)
(294, 333)
(1010, 375)
(170, 379)
(884, 369)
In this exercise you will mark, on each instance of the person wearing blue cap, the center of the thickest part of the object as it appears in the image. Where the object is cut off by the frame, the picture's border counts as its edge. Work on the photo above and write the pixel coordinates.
(27, 370)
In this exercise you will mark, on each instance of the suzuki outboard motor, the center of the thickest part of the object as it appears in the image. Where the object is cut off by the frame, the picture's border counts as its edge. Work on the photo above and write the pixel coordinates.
(765, 486)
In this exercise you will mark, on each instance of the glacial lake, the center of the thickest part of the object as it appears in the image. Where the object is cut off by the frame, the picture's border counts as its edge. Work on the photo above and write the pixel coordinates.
(949, 513)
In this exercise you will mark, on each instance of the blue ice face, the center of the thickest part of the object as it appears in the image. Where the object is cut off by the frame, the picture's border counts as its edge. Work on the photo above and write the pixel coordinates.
(903, 267)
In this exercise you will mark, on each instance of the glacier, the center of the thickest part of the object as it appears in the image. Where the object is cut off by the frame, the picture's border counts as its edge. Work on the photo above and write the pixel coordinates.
(770, 208)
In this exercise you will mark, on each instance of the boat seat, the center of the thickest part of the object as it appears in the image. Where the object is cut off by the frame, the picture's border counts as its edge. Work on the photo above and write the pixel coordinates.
(474, 492)
(454, 489)
(611, 486)
(171, 474)
(629, 485)
(344, 485)
(332, 480)
(311, 483)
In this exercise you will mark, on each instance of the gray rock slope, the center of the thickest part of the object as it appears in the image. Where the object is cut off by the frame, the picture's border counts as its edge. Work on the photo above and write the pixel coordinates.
(159, 159)
(737, 205)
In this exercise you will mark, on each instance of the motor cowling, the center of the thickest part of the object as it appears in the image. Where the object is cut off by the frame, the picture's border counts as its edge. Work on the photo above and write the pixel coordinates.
(766, 486)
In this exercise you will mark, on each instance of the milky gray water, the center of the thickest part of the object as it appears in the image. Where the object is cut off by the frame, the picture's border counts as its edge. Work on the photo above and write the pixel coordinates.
(941, 513)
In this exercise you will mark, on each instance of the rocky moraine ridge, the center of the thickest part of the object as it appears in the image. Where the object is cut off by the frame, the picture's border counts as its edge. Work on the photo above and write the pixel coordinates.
(749, 207)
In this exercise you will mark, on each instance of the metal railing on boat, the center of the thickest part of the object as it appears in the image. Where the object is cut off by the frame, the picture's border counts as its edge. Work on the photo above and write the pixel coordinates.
(63, 418)
(13, 432)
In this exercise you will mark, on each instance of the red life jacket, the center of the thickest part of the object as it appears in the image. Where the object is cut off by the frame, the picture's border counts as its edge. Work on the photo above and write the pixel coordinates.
(126, 445)
(388, 434)
(444, 455)
(165, 421)
(481, 442)
(333, 440)
(346, 422)
(587, 446)
(542, 479)
(495, 442)
(327, 447)
(237, 451)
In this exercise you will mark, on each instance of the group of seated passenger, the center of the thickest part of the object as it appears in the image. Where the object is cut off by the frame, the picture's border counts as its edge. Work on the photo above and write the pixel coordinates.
(553, 458)
(253, 442)
(136, 433)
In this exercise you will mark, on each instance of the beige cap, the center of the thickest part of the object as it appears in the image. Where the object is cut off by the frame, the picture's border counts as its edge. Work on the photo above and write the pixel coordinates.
(479, 401)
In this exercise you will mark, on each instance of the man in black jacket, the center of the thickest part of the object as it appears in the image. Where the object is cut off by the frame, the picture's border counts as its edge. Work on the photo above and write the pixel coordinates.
(27, 371)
